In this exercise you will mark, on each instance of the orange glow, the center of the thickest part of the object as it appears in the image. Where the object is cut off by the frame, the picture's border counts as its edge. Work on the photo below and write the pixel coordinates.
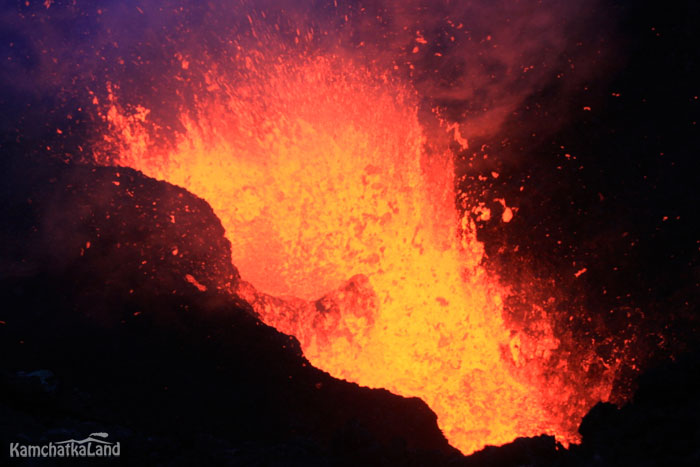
(343, 224)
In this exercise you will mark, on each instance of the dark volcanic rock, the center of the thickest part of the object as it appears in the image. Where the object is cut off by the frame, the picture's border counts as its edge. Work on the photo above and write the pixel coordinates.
(540, 450)
(117, 318)
(112, 226)
(661, 426)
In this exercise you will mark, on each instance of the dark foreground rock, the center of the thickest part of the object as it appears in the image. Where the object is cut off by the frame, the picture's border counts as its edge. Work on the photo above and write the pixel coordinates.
(660, 426)
(117, 318)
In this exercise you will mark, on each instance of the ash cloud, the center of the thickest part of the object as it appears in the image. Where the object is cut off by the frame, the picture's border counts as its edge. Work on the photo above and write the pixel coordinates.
(476, 60)
(481, 59)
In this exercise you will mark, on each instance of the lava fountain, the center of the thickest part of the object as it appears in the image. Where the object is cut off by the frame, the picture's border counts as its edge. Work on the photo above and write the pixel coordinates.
(338, 202)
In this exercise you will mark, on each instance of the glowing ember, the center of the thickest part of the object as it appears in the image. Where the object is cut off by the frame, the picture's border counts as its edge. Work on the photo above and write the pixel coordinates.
(320, 172)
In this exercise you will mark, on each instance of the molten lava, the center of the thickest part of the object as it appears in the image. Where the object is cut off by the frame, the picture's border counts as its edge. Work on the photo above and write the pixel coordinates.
(338, 206)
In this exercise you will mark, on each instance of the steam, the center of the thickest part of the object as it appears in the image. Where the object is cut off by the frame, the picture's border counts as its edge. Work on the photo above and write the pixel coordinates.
(476, 61)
